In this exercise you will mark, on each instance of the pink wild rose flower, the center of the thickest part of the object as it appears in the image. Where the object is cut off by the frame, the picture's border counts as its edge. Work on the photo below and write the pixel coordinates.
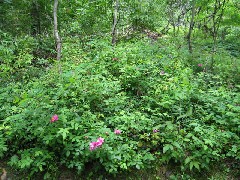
(100, 140)
(117, 131)
(98, 143)
(54, 118)
(93, 146)
(200, 65)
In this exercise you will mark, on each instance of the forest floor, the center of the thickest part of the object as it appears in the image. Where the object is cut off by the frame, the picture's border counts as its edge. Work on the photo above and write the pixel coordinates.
(161, 174)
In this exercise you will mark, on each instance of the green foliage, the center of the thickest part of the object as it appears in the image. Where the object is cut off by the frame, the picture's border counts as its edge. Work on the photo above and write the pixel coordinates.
(173, 107)
(25, 17)
(24, 57)
(165, 110)
(3, 145)
(34, 160)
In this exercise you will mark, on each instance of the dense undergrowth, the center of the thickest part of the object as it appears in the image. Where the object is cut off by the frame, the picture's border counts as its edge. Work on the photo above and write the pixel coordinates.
(171, 107)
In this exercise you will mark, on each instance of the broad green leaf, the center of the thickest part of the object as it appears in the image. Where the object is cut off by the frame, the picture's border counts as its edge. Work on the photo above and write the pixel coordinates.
(187, 160)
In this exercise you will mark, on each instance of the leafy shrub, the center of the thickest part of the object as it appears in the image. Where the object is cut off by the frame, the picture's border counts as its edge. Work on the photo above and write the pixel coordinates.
(24, 57)
(166, 112)
(3, 145)
(34, 159)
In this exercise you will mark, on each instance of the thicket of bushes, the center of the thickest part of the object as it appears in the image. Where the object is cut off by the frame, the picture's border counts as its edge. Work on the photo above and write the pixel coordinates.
(169, 106)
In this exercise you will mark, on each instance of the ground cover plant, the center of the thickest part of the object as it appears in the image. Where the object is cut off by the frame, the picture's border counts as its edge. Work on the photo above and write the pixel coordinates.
(143, 108)
(147, 97)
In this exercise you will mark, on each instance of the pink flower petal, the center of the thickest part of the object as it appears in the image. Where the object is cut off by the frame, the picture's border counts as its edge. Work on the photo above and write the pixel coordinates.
(54, 118)
(117, 131)
(98, 143)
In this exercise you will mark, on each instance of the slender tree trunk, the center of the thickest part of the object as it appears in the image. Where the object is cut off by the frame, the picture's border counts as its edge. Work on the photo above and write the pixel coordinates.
(214, 28)
(217, 20)
(115, 21)
(56, 34)
(220, 19)
(193, 11)
(36, 20)
(216, 23)
(173, 22)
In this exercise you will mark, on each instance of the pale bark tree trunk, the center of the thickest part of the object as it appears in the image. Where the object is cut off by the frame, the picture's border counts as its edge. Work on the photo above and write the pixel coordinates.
(56, 34)
(115, 21)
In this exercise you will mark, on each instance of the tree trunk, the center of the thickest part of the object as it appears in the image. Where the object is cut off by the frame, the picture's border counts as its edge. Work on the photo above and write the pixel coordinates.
(173, 22)
(216, 23)
(217, 20)
(115, 21)
(56, 34)
(193, 11)
(36, 20)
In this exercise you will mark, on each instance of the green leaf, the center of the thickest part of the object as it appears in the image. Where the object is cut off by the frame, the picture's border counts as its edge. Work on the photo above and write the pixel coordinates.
(187, 160)
(234, 148)
(176, 144)
(63, 132)
(67, 153)
(167, 147)
(194, 164)
(191, 165)
(14, 159)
